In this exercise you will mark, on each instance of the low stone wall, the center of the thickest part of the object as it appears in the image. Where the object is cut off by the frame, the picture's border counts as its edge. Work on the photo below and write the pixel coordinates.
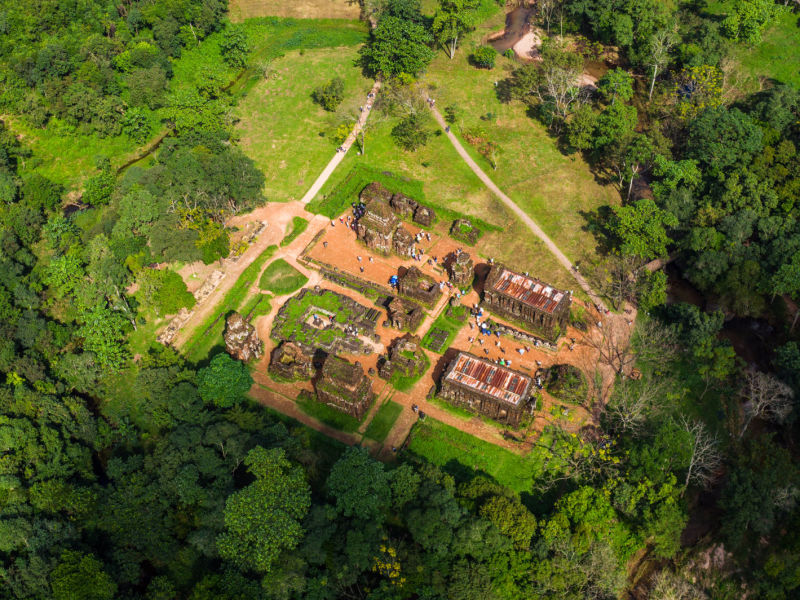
(522, 336)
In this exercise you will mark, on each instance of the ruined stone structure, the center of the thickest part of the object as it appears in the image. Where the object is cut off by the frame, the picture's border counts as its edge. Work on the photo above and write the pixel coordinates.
(241, 340)
(349, 328)
(424, 215)
(420, 287)
(344, 386)
(465, 231)
(460, 269)
(543, 309)
(404, 314)
(405, 357)
(377, 225)
(403, 242)
(292, 361)
(480, 386)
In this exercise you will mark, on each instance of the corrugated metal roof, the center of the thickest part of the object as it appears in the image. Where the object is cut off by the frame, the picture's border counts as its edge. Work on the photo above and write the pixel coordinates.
(489, 378)
(528, 290)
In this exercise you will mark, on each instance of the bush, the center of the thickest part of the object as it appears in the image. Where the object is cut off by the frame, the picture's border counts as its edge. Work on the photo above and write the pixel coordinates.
(484, 57)
(329, 95)
(411, 133)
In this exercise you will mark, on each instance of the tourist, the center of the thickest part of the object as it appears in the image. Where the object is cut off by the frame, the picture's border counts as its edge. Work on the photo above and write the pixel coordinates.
(324, 244)
(333, 224)
(362, 269)
(371, 259)
(359, 258)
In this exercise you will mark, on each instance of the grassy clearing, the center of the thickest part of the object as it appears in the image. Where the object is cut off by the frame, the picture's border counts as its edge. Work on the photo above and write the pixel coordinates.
(284, 131)
(293, 231)
(556, 190)
(463, 455)
(448, 323)
(383, 421)
(327, 414)
(239, 10)
(281, 278)
(208, 334)
(298, 309)
(776, 57)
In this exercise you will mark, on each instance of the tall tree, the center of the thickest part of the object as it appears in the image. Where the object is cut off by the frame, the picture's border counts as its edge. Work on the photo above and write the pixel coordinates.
(452, 19)
(264, 518)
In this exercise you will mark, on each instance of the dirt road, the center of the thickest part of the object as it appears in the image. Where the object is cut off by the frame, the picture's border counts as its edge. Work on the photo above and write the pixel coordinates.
(530, 223)
(328, 171)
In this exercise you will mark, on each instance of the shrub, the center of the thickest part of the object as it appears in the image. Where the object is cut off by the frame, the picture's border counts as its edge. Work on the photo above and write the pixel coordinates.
(329, 95)
(484, 57)
(411, 133)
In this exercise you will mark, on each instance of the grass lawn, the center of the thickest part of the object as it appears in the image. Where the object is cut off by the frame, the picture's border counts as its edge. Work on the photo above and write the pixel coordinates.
(445, 322)
(554, 189)
(384, 419)
(293, 231)
(776, 57)
(327, 414)
(462, 455)
(209, 333)
(284, 131)
(281, 278)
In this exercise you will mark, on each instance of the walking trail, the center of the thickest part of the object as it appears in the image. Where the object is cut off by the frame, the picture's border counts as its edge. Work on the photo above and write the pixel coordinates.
(326, 173)
(530, 223)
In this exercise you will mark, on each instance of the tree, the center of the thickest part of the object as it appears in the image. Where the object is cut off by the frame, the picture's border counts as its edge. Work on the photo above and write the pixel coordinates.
(81, 577)
(165, 291)
(581, 127)
(329, 95)
(484, 57)
(512, 518)
(103, 332)
(397, 46)
(764, 396)
(556, 83)
(412, 132)
(135, 125)
(661, 42)
(634, 403)
(705, 459)
(698, 89)
(359, 485)
(224, 382)
(100, 187)
(641, 229)
(264, 518)
(452, 19)
(616, 83)
(748, 20)
(234, 46)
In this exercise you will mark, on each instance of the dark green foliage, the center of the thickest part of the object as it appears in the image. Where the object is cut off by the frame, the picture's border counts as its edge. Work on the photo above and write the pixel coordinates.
(329, 95)
(397, 46)
(234, 47)
(412, 132)
(484, 57)
(224, 382)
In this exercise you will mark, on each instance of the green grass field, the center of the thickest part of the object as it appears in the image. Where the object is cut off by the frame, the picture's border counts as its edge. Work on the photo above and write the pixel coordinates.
(284, 131)
(281, 278)
(551, 187)
(383, 421)
(209, 333)
(462, 454)
(293, 231)
(327, 414)
(776, 57)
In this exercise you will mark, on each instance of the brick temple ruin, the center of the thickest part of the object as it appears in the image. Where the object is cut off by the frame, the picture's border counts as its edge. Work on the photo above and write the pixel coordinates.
(460, 268)
(483, 387)
(405, 357)
(542, 308)
(380, 228)
(418, 286)
(404, 314)
(292, 361)
(241, 340)
(344, 386)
